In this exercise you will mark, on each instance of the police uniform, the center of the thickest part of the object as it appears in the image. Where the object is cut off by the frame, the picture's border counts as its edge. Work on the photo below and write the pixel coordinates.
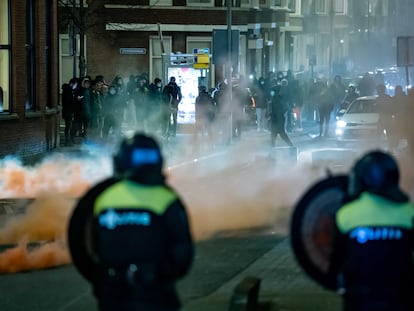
(138, 240)
(373, 252)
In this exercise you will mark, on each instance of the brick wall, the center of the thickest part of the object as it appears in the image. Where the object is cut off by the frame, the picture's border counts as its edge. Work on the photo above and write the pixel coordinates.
(30, 134)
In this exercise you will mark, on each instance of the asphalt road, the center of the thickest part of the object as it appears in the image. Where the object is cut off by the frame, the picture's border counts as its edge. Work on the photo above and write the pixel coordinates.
(62, 289)
(240, 209)
(228, 238)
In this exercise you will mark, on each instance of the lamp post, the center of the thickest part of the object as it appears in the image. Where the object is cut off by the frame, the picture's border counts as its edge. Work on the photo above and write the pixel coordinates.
(229, 64)
(332, 36)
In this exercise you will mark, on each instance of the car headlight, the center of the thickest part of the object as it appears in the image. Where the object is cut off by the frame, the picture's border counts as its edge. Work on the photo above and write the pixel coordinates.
(340, 123)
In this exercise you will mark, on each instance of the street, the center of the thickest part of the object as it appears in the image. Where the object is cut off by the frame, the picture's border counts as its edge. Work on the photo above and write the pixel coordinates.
(239, 200)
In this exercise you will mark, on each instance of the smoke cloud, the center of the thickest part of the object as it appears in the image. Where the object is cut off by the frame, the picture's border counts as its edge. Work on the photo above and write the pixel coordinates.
(239, 189)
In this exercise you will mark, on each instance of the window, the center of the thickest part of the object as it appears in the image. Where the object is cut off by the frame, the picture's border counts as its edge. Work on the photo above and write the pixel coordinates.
(30, 56)
(198, 43)
(4, 56)
(320, 7)
(340, 7)
(69, 55)
(249, 3)
(385, 8)
(156, 56)
(160, 3)
(70, 3)
(208, 3)
(291, 4)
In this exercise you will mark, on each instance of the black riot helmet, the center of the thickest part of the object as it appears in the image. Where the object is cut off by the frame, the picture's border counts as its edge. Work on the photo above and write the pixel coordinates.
(376, 172)
(139, 157)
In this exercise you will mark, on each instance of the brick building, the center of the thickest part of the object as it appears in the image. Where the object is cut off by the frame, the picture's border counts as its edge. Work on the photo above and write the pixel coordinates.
(265, 29)
(40, 44)
(28, 77)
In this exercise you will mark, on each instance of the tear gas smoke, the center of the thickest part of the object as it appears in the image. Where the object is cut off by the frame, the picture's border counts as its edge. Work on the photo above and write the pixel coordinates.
(249, 194)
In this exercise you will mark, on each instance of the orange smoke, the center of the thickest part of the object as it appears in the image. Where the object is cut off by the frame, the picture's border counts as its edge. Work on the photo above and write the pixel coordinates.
(45, 220)
(20, 258)
(57, 174)
(217, 198)
(50, 188)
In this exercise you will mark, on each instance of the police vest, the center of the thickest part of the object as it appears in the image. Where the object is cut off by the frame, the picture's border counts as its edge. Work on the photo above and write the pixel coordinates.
(374, 211)
(128, 222)
(378, 248)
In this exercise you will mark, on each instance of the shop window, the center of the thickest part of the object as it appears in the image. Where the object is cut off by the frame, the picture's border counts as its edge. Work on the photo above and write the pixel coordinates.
(4, 56)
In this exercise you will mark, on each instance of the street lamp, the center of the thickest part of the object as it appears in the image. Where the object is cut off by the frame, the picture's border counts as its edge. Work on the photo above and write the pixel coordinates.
(331, 41)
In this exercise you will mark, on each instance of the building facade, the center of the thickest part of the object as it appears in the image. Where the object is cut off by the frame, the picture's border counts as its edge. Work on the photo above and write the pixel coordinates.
(45, 43)
(162, 27)
(327, 37)
(28, 77)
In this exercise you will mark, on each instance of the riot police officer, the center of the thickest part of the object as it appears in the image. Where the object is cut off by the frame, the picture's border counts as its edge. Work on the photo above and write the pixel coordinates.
(373, 252)
(129, 235)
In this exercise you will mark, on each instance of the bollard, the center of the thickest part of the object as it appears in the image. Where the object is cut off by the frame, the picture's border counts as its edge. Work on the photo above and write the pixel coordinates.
(246, 295)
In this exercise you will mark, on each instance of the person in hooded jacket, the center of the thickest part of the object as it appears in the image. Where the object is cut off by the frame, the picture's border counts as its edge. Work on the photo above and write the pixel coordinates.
(277, 108)
(68, 109)
(372, 257)
(129, 235)
(113, 111)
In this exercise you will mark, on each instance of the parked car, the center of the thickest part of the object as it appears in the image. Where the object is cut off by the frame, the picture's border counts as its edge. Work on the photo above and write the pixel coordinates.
(359, 122)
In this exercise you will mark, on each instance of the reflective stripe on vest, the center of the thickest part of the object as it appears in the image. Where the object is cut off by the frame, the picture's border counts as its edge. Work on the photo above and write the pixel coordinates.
(127, 194)
(372, 210)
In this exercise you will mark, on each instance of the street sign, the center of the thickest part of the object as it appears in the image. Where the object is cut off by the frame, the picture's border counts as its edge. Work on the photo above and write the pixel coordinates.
(133, 51)
(201, 51)
(202, 58)
(202, 61)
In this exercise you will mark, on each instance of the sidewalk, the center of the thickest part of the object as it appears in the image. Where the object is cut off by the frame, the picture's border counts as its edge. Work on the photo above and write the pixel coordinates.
(284, 286)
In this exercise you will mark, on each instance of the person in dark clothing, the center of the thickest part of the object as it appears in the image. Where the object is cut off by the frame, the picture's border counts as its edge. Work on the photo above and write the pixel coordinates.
(1, 99)
(175, 94)
(277, 112)
(68, 109)
(166, 111)
(325, 106)
(338, 92)
(140, 96)
(366, 86)
(261, 97)
(350, 96)
(155, 101)
(372, 255)
(129, 236)
(82, 108)
(241, 98)
(388, 122)
(293, 94)
(204, 115)
(113, 110)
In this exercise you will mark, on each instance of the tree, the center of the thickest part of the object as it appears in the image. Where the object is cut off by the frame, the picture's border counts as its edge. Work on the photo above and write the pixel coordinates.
(79, 15)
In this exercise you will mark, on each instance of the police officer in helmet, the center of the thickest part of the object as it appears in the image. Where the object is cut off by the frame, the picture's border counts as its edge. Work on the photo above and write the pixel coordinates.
(373, 252)
(129, 235)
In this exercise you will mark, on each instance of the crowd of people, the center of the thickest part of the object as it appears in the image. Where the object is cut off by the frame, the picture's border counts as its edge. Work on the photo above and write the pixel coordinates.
(96, 108)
